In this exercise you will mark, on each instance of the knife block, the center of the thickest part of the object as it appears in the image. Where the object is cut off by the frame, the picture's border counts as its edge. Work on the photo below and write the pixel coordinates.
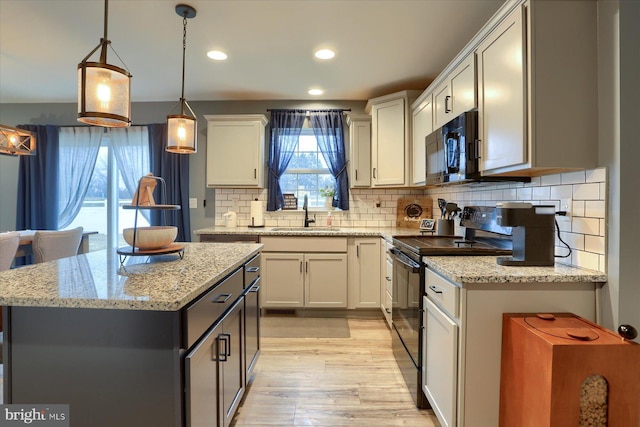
(567, 372)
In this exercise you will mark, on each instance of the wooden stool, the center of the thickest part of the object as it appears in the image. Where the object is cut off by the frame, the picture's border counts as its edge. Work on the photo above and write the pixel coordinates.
(561, 370)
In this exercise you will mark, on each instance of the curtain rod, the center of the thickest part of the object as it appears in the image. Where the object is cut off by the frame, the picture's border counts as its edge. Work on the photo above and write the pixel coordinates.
(309, 111)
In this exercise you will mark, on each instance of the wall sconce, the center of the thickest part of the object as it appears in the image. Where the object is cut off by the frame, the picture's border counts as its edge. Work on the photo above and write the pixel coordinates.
(17, 142)
(182, 128)
(103, 89)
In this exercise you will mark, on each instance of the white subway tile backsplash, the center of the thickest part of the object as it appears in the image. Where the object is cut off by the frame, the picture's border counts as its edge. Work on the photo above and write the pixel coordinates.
(541, 193)
(586, 226)
(523, 193)
(594, 244)
(586, 191)
(596, 175)
(585, 232)
(561, 192)
(551, 179)
(509, 194)
(578, 177)
(595, 208)
(574, 240)
(585, 260)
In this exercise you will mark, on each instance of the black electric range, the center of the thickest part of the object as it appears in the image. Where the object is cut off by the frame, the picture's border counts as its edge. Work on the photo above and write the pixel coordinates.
(482, 236)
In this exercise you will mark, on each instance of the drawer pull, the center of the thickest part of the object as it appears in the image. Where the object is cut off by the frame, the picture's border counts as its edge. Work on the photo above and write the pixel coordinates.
(253, 269)
(221, 298)
(254, 288)
(434, 289)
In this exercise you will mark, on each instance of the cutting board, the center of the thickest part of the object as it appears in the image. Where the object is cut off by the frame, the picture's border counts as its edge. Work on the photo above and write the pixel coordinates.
(411, 210)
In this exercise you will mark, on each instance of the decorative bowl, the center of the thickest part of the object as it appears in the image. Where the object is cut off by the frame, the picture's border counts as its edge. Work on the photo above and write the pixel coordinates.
(154, 237)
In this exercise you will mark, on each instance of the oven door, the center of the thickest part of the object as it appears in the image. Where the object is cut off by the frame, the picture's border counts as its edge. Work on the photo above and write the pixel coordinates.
(405, 312)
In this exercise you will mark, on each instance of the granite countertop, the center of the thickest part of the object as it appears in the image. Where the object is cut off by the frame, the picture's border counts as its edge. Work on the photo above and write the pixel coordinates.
(97, 280)
(484, 269)
(385, 232)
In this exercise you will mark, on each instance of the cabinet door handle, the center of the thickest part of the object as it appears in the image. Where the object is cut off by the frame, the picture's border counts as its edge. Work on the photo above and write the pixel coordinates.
(356, 174)
(306, 266)
(228, 345)
(255, 173)
(358, 251)
(387, 310)
(388, 278)
(253, 269)
(374, 173)
(221, 298)
(222, 347)
(447, 109)
(300, 266)
(434, 289)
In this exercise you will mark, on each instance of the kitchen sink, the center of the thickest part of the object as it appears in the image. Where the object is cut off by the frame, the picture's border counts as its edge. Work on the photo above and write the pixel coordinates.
(310, 229)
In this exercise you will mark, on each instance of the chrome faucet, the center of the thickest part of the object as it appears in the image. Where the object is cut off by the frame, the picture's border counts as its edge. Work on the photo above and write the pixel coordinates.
(305, 206)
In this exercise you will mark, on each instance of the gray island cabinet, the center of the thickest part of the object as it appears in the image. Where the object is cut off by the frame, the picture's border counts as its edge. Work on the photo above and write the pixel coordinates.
(154, 342)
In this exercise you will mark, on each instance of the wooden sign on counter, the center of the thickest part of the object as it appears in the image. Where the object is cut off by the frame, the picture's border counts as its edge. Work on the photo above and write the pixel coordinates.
(412, 210)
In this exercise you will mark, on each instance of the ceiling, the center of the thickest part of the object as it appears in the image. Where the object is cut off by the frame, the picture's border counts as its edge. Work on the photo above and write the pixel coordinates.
(381, 46)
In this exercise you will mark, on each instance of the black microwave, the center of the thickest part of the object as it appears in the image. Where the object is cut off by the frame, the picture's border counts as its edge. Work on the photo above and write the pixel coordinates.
(452, 151)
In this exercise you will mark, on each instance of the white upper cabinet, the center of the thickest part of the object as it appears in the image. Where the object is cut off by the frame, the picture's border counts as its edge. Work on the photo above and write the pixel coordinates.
(390, 138)
(457, 93)
(360, 150)
(422, 123)
(537, 89)
(235, 150)
(501, 87)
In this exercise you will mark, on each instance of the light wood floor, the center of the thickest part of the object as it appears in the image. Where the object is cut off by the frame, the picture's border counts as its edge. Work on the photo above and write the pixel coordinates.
(331, 382)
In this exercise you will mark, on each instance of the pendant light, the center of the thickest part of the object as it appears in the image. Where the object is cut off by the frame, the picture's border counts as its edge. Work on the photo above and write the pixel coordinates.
(181, 128)
(17, 142)
(104, 89)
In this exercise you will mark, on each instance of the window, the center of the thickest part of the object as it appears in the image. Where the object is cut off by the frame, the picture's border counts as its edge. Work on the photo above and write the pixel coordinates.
(101, 209)
(307, 172)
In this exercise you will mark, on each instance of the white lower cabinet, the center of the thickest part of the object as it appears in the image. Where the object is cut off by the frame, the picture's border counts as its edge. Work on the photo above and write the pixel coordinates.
(302, 272)
(325, 280)
(439, 372)
(364, 272)
(462, 340)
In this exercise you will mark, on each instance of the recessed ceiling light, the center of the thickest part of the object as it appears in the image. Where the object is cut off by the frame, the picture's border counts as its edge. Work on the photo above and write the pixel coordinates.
(217, 55)
(325, 54)
(315, 92)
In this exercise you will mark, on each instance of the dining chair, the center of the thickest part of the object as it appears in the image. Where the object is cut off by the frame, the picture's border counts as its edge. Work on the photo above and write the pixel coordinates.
(51, 245)
(9, 243)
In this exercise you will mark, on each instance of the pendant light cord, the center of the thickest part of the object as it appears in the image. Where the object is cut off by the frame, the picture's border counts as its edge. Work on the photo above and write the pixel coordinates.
(184, 50)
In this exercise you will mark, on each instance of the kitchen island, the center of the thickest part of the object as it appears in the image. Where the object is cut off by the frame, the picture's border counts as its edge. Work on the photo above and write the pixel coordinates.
(117, 342)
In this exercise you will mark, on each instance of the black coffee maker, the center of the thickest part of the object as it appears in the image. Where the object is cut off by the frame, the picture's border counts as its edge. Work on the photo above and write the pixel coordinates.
(532, 233)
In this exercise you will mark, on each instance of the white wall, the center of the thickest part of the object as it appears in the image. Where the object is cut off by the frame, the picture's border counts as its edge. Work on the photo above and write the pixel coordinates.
(619, 151)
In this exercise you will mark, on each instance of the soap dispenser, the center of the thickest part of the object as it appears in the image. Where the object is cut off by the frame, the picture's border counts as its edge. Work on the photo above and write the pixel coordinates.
(329, 219)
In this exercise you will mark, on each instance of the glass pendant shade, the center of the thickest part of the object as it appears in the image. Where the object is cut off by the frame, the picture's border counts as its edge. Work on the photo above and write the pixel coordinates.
(103, 95)
(181, 134)
(16, 142)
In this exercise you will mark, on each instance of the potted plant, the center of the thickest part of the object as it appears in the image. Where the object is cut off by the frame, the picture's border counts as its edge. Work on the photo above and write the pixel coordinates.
(328, 193)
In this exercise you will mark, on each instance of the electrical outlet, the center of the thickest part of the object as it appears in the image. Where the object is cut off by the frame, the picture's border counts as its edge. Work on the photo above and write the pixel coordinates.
(193, 203)
(566, 205)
